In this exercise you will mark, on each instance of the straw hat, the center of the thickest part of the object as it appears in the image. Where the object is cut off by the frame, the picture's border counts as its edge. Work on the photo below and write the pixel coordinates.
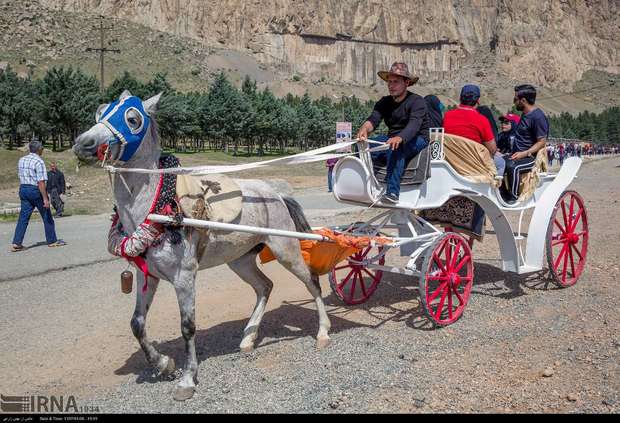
(399, 69)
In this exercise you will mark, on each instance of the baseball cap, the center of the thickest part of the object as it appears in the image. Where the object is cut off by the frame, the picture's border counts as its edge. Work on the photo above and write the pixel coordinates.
(510, 117)
(470, 92)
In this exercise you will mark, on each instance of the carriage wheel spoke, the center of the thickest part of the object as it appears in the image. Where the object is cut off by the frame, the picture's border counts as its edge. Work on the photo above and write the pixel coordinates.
(461, 264)
(577, 251)
(458, 296)
(562, 253)
(370, 274)
(559, 226)
(441, 302)
(353, 286)
(564, 214)
(437, 261)
(576, 221)
(559, 241)
(437, 278)
(572, 261)
(345, 280)
(364, 254)
(466, 279)
(362, 283)
(449, 252)
(565, 266)
(436, 293)
(341, 267)
(455, 256)
(572, 207)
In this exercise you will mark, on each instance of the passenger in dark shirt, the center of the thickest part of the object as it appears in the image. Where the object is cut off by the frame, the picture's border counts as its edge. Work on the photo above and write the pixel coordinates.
(505, 139)
(435, 111)
(406, 117)
(530, 136)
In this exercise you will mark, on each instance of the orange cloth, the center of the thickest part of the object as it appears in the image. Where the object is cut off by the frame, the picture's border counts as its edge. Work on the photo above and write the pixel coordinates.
(323, 256)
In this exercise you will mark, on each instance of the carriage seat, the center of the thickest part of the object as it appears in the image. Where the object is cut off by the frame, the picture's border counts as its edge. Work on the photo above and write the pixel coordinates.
(416, 171)
(470, 159)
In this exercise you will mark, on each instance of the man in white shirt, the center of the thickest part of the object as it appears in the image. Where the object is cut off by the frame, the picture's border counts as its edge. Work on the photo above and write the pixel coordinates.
(32, 193)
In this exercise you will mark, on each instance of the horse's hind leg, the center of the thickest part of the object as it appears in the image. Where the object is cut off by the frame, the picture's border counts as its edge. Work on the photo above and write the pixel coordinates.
(184, 285)
(164, 364)
(246, 268)
(288, 252)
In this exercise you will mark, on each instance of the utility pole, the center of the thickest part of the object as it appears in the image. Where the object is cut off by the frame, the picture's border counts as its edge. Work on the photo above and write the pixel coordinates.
(102, 50)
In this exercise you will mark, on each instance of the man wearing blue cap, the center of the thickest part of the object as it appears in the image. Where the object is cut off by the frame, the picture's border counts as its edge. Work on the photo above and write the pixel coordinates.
(465, 121)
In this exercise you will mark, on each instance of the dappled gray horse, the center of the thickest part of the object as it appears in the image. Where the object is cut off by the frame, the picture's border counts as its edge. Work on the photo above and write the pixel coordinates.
(132, 120)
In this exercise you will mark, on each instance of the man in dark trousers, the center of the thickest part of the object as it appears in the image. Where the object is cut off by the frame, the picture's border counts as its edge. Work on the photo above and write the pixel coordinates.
(32, 193)
(56, 187)
(405, 114)
(530, 136)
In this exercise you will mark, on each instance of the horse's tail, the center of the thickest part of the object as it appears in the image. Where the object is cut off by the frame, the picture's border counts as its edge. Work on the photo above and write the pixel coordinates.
(297, 213)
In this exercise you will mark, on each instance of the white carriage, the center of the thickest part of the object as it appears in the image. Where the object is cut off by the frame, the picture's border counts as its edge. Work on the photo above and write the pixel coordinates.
(442, 261)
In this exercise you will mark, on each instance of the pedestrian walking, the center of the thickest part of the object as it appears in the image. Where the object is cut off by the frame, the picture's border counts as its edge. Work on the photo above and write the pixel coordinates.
(33, 194)
(56, 188)
(330, 170)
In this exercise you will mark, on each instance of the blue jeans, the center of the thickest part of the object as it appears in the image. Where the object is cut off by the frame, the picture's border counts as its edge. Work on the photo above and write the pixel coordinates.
(330, 171)
(500, 163)
(31, 197)
(397, 160)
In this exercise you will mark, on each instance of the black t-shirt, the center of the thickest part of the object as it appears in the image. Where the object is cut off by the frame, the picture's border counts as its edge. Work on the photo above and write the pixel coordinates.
(533, 125)
(407, 119)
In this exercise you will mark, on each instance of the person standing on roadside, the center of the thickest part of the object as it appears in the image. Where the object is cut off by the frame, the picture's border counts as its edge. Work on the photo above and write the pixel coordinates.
(32, 193)
(56, 188)
(330, 170)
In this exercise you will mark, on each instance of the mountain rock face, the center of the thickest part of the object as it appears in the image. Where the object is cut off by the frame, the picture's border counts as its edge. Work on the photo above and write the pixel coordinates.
(547, 42)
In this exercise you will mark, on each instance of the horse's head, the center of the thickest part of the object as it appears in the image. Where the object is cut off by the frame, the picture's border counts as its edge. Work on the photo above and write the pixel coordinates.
(120, 129)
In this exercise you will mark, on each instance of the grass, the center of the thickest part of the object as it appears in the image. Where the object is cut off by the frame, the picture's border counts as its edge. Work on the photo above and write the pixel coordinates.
(90, 189)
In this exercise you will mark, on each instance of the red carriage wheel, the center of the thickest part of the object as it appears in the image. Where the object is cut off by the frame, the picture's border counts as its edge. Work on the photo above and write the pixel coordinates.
(447, 278)
(352, 281)
(567, 239)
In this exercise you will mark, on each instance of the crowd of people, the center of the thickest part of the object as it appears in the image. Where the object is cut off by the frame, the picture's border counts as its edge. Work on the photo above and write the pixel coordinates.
(557, 152)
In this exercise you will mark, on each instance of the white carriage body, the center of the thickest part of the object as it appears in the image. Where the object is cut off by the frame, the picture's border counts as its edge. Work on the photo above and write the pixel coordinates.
(354, 183)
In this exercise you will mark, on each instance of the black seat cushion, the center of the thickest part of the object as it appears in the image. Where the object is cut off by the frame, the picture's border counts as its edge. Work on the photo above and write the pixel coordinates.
(416, 172)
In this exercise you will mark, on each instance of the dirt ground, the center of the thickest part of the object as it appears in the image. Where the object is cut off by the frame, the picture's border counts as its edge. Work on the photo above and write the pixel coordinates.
(521, 346)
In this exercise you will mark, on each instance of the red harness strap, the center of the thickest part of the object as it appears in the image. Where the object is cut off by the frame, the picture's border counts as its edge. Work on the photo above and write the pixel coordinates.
(139, 261)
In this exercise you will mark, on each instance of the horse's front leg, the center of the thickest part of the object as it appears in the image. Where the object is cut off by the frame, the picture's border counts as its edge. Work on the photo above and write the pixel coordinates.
(163, 363)
(186, 295)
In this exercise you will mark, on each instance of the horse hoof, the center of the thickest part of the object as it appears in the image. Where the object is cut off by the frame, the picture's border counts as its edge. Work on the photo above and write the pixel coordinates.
(246, 348)
(183, 393)
(322, 343)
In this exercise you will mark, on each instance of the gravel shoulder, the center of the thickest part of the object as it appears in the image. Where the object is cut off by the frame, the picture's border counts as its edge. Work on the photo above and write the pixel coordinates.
(521, 346)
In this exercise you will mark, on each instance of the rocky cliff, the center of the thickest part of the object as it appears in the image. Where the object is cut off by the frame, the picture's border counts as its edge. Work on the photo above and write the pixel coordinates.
(548, 42)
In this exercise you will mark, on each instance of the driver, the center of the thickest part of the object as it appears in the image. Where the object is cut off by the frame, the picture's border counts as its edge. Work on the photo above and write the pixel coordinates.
(406, 117)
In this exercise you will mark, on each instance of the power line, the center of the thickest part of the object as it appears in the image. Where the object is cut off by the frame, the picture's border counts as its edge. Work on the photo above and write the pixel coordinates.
(102, 50)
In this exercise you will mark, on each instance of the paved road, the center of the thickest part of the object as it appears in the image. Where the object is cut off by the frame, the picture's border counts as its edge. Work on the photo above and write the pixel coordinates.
(86, 235)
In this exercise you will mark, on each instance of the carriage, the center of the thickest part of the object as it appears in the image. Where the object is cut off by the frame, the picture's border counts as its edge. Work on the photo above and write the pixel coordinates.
(443, 261)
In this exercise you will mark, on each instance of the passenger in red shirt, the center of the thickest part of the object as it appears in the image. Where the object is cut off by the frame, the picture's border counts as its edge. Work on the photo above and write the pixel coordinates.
(465, 121)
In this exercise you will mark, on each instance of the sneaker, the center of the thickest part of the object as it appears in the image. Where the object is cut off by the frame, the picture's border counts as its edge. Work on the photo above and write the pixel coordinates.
(389, 198)
(58, 243)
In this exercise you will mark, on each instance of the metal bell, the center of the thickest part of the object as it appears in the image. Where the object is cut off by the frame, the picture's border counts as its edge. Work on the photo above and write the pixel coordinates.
(126, 281)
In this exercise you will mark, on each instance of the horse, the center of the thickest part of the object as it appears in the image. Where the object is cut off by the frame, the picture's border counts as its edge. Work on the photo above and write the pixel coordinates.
(131, 120)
